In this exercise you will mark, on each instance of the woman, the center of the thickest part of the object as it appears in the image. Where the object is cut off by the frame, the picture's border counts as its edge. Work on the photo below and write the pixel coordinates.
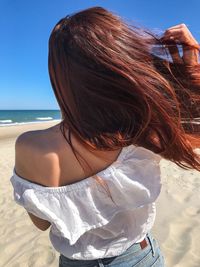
(123, 107)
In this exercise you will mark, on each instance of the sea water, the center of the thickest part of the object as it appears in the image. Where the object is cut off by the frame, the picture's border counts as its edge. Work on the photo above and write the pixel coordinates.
(17, 117)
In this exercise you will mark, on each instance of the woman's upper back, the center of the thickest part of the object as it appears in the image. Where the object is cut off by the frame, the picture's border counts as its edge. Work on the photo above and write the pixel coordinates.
(85, 222)
(44, 157)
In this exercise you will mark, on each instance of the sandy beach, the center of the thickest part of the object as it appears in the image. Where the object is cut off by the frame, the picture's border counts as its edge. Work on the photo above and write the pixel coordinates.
(177, 225)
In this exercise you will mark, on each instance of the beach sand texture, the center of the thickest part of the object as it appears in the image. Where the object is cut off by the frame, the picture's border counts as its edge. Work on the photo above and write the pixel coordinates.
(177, 225)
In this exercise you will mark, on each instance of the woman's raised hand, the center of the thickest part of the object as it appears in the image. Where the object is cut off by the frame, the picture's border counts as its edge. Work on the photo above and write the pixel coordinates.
(180, 34)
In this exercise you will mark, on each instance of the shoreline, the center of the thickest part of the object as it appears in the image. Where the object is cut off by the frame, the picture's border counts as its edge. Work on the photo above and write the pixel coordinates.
(27, 123)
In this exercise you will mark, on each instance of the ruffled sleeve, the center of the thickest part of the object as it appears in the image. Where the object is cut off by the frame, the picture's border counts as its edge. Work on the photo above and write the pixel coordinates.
(72, 210)
(133, 181)
(136, 180)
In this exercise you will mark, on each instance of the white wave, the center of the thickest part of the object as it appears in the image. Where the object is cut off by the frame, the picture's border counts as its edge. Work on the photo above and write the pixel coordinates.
(195, 121)
(5, 121)
(44, 118)
(22, 123)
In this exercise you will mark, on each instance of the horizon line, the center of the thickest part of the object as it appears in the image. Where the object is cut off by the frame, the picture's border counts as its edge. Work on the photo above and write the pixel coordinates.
(28, 109)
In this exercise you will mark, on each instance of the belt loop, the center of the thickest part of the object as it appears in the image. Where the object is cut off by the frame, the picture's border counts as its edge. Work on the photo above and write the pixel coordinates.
(100, 263)
(151, 243)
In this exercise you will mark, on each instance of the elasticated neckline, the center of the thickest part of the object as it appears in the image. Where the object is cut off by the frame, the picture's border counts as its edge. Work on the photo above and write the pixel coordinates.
(77, 185)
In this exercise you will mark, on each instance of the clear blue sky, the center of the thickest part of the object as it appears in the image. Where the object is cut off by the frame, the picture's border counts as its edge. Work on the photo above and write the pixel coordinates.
(25, 30)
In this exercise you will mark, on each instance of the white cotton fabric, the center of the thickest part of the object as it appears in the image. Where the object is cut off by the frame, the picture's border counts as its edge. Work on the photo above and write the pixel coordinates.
(85, 223)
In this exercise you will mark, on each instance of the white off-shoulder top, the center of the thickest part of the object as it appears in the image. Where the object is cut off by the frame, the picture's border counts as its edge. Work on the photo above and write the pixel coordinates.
(85, 222)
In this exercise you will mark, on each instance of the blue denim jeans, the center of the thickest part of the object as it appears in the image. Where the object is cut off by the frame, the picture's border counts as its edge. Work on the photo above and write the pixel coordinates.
(134, 256)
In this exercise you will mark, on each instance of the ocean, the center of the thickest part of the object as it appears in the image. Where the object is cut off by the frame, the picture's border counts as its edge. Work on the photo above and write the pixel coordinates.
(17, 117)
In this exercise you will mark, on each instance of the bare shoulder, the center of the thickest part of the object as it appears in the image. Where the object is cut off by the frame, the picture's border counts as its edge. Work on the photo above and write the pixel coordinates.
(32, 141)
(36, 138)
(35, 155)
(28, 139)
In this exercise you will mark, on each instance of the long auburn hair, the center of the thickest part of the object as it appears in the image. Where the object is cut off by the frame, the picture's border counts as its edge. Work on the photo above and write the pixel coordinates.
(114, 90)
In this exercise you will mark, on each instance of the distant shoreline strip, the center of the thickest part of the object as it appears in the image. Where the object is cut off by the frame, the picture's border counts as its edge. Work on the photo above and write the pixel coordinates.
(39, 120)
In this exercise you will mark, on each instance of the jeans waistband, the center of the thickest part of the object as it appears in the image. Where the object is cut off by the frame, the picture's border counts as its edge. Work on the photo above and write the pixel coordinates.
(134, 248)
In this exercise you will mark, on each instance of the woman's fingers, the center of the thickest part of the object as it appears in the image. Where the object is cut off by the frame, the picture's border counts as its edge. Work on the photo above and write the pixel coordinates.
(172, 32)
(175, 34)
(173, 49)
(178, 26)
(171, 40)
(180, 34)
(190, 56)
